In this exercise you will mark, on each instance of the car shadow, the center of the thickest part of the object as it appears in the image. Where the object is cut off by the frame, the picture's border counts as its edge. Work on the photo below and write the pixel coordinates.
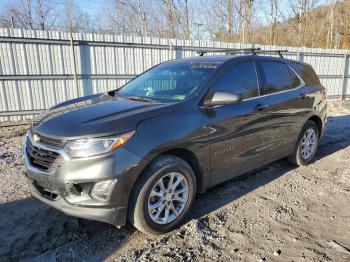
(31, 230)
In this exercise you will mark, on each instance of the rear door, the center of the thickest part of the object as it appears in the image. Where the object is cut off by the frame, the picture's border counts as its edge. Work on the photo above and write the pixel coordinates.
(237, 136)
(287, 103)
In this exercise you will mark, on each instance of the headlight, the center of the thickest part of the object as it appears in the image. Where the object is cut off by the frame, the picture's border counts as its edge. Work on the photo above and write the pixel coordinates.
(96, 146)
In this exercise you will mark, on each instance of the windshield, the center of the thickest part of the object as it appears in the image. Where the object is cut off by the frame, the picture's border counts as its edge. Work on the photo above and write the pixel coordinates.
(168, 82)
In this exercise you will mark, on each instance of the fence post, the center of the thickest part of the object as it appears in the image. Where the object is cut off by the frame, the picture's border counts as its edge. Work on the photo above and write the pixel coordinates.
(74, 64)
(170, 56)
(14, 68)
(344, 76)
(178, 52)
(85, 68)
(300, 56)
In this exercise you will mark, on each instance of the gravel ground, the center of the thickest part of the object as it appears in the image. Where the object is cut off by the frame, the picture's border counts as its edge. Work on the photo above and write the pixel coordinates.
(278, 213)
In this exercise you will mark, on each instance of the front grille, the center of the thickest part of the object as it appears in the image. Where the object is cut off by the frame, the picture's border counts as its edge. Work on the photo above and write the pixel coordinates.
(41, 158)
(51, 142)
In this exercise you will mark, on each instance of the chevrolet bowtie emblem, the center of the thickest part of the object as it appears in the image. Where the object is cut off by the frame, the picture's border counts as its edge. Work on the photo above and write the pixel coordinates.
(36, 138)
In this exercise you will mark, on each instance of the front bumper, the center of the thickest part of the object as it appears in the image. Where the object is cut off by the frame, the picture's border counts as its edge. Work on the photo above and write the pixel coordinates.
(112, 215)
(58, 188)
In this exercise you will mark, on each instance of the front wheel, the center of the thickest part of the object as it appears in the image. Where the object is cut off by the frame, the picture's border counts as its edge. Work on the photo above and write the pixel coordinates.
(162, 196)
(306, 146)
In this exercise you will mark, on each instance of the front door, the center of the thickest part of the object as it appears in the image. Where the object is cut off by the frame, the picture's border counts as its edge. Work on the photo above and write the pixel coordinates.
(237, 136)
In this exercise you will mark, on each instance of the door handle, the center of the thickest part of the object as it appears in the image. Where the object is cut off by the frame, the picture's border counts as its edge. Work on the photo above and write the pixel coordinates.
(261, 107)
(302, 96)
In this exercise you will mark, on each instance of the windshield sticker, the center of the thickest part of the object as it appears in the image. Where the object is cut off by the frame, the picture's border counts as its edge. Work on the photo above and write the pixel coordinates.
(211, 65)
(179, 97)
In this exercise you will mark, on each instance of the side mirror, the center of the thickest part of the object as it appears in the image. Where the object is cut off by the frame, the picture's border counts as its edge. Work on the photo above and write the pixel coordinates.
(224, 98)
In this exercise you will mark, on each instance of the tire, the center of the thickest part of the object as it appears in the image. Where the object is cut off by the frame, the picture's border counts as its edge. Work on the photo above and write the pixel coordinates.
(162, 169)
(298, 157)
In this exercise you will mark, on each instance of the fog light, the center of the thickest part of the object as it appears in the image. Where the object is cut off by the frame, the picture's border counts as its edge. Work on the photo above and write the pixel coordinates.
(102, 190)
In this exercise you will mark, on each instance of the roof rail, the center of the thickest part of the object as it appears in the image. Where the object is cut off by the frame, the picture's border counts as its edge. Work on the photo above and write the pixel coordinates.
(253, 51)
(229, 51)
(279, 52)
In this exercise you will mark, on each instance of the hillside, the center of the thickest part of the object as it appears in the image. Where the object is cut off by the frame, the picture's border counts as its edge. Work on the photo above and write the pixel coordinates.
(326, 26)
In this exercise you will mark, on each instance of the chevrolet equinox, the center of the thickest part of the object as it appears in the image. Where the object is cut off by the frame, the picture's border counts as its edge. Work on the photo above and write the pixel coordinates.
(142, 152)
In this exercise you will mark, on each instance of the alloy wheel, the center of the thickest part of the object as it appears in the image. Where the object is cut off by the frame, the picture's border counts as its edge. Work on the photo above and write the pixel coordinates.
(308, 143)
(168, 198)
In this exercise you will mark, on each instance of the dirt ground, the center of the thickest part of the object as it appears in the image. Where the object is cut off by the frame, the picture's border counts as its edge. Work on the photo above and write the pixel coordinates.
(278, 213)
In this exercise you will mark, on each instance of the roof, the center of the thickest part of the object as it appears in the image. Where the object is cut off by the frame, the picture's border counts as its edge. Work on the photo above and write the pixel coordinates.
(221, 59)
(224, 58)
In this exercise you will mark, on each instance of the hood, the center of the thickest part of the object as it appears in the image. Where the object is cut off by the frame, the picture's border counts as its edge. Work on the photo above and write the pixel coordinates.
(96, 115)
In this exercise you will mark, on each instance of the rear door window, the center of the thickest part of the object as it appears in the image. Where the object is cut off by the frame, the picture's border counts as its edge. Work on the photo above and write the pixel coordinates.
(275, 77)
(306, 73)
(240, 78)
(295, 81)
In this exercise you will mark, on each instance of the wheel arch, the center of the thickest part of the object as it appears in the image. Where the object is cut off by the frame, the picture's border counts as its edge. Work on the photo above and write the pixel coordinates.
(186, 155)
(192, 160)
(317, 120)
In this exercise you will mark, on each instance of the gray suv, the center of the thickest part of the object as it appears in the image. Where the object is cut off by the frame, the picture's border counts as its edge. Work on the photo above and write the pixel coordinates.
(141, 153)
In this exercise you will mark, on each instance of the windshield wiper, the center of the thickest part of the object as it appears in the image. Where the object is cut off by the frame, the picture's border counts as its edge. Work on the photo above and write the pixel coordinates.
(140, 98)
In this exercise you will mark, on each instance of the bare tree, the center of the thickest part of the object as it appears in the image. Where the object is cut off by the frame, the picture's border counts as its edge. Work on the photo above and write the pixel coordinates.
(273, 22)
(166, 18)
(183, 17)
(241, 20)
(129, 16)
(43, 9)
(222, 20)
(31, 14)
(171, 17)
(344, 24)
(231, 20)
(74, 19)
(313, 23)
(248, 17)
(301, 10)
(330, 35)
(22, 14)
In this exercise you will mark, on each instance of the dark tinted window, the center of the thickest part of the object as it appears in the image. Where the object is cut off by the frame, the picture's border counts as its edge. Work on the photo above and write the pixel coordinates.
(295, 81)
(241, 78)
(275, 77)
(306, 73)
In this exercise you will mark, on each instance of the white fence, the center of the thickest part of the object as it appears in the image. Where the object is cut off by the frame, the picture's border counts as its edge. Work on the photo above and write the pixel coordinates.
(39, 69)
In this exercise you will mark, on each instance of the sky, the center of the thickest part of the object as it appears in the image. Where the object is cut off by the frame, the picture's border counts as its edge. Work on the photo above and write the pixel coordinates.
(89, 6)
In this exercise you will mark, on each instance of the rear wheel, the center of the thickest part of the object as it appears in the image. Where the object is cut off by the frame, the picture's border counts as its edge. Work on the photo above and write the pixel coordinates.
(162, 196)
(306, 146)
